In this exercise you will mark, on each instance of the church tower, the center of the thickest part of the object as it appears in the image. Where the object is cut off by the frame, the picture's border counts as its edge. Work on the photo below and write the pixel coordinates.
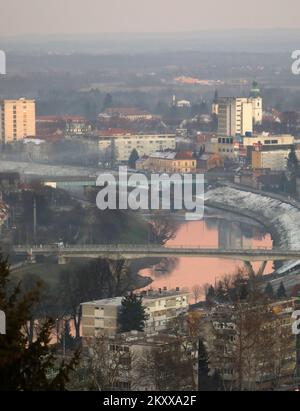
(256, 99)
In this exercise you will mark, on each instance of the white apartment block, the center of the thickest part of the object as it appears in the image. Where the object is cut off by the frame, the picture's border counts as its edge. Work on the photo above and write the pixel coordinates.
(102, 316)
(269, 140)
(145, 144)
(275, 160)
(235, 116)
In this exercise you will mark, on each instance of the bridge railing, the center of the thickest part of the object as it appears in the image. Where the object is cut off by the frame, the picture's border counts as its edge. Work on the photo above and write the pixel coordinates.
(140, 247)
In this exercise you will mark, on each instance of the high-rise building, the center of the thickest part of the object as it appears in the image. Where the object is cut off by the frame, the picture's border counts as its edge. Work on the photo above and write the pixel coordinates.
(235, 117)
(17, 120)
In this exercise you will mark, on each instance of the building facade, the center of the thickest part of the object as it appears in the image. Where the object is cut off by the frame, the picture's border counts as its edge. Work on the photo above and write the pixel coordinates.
(126, 113)
(102, 316)
(169, 162)
(17, 120)
(235, 116)
(145, 362)
(234, 349)
(275, 160)
(145, 144)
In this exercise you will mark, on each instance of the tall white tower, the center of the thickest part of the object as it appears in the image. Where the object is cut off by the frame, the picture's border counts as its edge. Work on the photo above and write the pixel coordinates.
(257, 103)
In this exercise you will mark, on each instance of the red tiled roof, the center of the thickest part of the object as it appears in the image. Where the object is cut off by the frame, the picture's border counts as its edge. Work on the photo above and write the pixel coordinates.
(184, 155)
(112, 132)
(126, 111)
(57, 119)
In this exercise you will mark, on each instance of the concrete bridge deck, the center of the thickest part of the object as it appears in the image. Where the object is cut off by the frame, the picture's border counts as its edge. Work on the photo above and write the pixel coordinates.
(139, 251)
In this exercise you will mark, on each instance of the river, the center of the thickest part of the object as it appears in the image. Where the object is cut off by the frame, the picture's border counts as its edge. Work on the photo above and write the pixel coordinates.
(215, 231)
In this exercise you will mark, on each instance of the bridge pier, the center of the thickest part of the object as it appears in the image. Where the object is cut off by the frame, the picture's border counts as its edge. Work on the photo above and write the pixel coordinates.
(31, 257)
(62, 260)
(251, 270)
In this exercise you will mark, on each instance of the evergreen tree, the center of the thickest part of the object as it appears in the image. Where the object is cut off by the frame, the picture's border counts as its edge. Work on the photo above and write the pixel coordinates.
(281, 292)
(220, 293)
(292, 170)
(206, 382)
(293, 162)
(112, 154)
(269, 291)
(68, 342)
(25, 365)
(204, 379)
(108, 101)
(210, 293)
(132, 315)
(134, 156)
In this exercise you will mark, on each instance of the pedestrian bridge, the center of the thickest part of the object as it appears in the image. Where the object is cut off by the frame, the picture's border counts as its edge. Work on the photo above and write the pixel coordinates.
(131, 251)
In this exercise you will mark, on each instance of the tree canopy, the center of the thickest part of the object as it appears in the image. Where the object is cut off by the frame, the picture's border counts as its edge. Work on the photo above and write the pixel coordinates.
(132, 314)
(28, 365)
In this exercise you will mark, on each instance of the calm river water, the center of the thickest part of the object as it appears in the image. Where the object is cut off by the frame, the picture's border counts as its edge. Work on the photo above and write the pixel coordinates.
(212, 232)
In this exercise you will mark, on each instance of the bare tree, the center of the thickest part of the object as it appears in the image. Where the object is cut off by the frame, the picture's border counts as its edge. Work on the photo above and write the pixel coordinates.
(196, 292)
(166, 368)
(249, 342)
(187, 331)
(98, 279)
(109, 364)
(162, 228)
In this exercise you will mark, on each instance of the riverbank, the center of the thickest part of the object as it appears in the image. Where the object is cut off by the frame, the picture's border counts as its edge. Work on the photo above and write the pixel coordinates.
(280, 218)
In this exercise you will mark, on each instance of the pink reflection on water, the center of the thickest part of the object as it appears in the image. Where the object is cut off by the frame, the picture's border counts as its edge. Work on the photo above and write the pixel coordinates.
(191, 271)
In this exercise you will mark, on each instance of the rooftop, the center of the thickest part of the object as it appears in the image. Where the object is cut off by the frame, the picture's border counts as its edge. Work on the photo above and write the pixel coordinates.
(125, 111)
(172, 155)
(67, 119)
(147, 296)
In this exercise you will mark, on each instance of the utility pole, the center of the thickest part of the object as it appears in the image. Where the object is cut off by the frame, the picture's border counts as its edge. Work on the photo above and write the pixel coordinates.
(34, 218)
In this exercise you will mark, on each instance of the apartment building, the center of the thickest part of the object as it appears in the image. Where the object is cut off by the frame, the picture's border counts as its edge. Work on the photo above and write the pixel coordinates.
(145, 144)
(102, 316)
(127, 113)
(235, 119)
(263, 143)
(277, 141)
(223, 332)
(17, 120)
(146, 362)
(275, 160)
(168, 162)
(269, 151)
(235, 116)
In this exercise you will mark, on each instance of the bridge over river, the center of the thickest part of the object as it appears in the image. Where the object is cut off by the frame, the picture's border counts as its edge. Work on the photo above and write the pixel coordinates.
(130, 251)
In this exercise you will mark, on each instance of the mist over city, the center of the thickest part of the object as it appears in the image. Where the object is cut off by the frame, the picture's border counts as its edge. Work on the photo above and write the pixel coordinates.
(149, 198)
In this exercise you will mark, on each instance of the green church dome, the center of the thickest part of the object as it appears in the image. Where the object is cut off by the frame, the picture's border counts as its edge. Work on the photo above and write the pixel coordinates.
(255, 90)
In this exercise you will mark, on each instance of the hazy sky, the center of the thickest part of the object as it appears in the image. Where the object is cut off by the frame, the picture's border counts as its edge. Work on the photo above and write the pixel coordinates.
(96, 16)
